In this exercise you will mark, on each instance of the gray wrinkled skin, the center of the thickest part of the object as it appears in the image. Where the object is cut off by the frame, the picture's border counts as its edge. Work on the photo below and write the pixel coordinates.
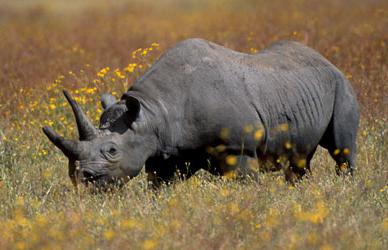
(201, 102)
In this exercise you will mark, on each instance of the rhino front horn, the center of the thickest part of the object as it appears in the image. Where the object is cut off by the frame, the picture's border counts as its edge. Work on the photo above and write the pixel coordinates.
(86, 130)
(72, 149)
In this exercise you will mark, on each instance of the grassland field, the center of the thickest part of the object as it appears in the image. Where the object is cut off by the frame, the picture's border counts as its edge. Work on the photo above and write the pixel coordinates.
(92, 47)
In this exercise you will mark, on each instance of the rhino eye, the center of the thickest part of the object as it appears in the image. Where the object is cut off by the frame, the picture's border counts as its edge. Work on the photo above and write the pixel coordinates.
(112, 151)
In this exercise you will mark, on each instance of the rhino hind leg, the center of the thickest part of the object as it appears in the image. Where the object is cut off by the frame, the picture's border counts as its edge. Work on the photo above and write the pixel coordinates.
(344, 156)
(340, 136)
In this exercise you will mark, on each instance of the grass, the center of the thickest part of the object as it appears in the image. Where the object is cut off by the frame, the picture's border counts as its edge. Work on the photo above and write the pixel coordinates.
(93, 47)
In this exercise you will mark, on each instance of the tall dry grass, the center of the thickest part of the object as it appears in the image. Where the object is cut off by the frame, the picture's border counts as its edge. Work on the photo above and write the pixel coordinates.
(92, 46)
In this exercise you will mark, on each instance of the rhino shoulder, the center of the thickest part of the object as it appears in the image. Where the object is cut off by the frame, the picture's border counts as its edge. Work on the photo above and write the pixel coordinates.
(192, 43)
(193, 48)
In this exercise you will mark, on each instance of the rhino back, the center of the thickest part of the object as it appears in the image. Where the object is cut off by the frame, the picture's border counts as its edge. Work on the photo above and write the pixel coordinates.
(206, 88)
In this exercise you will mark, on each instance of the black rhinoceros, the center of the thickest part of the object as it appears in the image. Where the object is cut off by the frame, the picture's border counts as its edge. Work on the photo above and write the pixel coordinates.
(203, 106)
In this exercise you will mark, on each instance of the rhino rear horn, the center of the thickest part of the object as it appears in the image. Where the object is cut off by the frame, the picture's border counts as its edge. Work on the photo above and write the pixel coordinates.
(86, 130)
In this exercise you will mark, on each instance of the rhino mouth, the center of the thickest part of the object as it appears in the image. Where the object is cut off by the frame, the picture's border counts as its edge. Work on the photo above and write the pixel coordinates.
(98, 183)
(101, 182)
(88, 177)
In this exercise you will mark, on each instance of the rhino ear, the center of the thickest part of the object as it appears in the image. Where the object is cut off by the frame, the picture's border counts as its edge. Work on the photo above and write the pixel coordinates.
(133, 106)
(107, 100)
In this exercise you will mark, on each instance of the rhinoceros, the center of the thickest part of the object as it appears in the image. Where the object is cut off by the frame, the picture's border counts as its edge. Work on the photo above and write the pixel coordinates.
(204, 106)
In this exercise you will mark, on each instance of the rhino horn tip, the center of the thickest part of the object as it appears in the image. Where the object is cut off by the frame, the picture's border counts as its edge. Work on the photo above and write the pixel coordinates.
(47, 130)
(67, 95)
(86, 129)
(50, 133)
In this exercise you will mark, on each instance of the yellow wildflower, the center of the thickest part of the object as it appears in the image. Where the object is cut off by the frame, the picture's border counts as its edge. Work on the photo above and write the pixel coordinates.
(129, 224)
(248, 129)
(119, 74)
(131, 67)
(103, 72)
(91, 90)
(258, 134)
(149, 244)
(220, 148)
(109, 234)
(326, 247)
(287, 145)
(316, 216)
(301, 163)
(283, 127)
(230, 174)
(144, 52)
(231, 160)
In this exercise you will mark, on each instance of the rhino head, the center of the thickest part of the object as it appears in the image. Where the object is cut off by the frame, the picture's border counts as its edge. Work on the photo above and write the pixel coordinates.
(113, 153)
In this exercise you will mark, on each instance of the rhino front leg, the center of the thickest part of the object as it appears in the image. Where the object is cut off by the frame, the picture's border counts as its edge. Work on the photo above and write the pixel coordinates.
(164, 171)
(160, 171)
(155, 179)
(236, 166)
